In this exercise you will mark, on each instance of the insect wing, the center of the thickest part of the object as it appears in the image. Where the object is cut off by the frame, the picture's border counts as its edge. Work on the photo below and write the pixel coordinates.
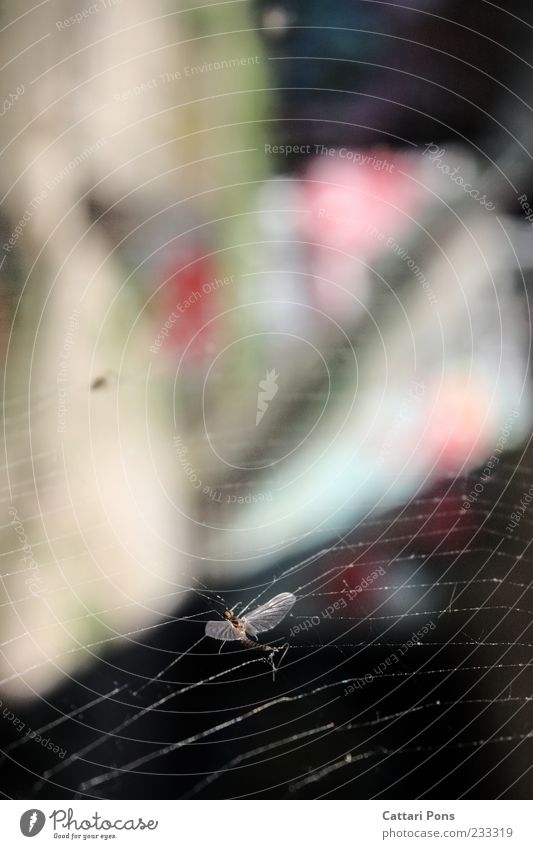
(268, 615)
(221, 631)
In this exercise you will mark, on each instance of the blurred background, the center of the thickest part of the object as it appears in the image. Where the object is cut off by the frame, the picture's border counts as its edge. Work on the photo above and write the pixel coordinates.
(265, 327)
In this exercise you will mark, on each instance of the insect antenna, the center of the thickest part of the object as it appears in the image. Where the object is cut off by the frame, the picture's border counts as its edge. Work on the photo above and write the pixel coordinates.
(166, 668)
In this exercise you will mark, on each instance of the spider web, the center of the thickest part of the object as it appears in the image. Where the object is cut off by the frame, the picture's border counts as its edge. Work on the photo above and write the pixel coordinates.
(408, 673)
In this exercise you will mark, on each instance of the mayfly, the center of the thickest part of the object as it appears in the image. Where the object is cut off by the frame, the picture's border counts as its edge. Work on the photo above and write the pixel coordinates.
(261, 619)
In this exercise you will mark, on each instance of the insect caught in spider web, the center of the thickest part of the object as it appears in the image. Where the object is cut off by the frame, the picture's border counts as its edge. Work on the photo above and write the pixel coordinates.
(262, 618)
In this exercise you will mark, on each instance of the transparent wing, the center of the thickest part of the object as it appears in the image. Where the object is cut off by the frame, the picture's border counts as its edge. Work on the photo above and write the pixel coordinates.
(221, 631)
(268, 615)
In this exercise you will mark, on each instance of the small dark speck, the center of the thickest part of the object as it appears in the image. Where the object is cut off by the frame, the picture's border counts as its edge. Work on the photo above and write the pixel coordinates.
(99, 383)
